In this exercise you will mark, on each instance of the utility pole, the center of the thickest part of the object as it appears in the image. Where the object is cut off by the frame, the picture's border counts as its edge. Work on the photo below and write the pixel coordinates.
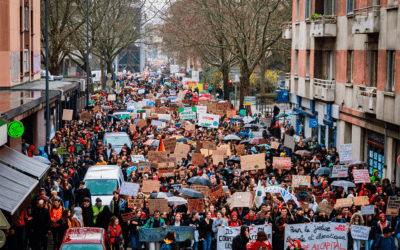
(47, 82)
(105, 66)
(87, 53)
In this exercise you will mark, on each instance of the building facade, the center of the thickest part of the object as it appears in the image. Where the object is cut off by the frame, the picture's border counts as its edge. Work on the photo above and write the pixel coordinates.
(345, 77)
(19, 42)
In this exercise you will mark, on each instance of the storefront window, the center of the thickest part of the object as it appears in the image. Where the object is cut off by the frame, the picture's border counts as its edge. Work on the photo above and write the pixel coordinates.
(375, 157)
(332, 137)
(323, 135)
(314, 132)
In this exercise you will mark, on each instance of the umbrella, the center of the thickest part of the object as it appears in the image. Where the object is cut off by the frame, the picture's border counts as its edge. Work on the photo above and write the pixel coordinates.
(356, 163)
(172, 201)
(200, 180)
(89, 107)
(191, 192)
(106, 107)
(113, 116)
(303, 153)
(257, 141)
(154, 143)
(232, 137)
(163, 98)
(343, 184)
(243, 134)
(182, 140)
(160, 195)
(42, 159)
(234, 159)
(149, 142)
(245, 141)
(252, 126)
(308, 139)
(323, 171)
(163, 120)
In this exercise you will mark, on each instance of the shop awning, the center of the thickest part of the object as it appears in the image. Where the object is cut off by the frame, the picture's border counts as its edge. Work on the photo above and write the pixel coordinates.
(15, 188)
(13, 158)
(302, 112)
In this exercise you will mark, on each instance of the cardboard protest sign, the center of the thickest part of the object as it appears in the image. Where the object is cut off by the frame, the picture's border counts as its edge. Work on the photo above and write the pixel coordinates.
(132, 128)
(216, 192)
(209, 145)
(393, 206)
(289, 141)
(85, 116)
(126, 217)
(111, 97)
(227, 148)
(205, 152)
(211, 107)
(190, 127)
(158, 156)
(320, 198)
(282, 162)
(67, 114)
(138, 203)
(242, 199)
(169, 144)
(223, 106)
(226, 235)
(230, 113)
(217, 158)
(129, 188)
(201, 188)
(177, 158)
(141, 123)
(366, 210)
(301, 180)
(158, 204)
(149, 186)
(181, 148)
(96, 109)
(198, 159)
(158, 234)
(303, 194)
(361, 176)
(361, 200)
(167, 171)
(160, 111)
(240, 149)
(275, 145)
(195, 205)
(252, 162)
(345, 202)
(327, 209)
(340, 171)
(220, 152)
(317, 235)
(360, 232)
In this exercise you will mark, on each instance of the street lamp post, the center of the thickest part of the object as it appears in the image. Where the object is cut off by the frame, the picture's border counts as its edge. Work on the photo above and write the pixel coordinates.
(87, 52)
(47, 81)
(105, 65)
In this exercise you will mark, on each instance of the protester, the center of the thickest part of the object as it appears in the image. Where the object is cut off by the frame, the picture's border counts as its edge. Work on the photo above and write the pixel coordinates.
(115, 233)
(240, 241)
(168, 241)
(261, 242)
(77, 219)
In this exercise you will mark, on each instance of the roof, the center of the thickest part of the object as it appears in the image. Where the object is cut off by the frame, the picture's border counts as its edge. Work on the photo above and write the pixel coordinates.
(11, 157)
(102, 172)
(83, 235)
(115, 134)
(64, 85)
(15, 187)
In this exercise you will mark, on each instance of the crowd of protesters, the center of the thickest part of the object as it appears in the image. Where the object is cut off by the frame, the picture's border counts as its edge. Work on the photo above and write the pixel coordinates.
(64, 201)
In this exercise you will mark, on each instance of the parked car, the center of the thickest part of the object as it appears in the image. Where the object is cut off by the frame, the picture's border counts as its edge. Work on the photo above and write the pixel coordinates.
(102, 180)
(86, 238)
(117, 140)
(51, 77)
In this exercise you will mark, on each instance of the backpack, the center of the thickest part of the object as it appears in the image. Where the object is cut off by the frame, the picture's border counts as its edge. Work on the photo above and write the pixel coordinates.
(373, 243)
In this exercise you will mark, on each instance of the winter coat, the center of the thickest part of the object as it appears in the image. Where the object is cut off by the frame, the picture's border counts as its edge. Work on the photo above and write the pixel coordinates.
(87, 213)
(103, 218)
(240, 241)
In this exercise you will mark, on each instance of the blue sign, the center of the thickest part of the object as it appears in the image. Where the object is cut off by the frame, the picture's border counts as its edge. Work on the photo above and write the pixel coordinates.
(283, 96)
(313, 123)
(158, 234)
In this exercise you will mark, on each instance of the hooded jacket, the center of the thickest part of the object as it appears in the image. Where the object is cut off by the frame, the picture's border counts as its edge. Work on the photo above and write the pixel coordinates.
(381, 225)
(353, 218)
(103, 218)
(240, 241)
(42, 153)
(30, 150)
(373, 177)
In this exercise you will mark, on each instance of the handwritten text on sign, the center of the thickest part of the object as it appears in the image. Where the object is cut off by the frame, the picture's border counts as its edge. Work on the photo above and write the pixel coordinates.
(340, 171)
(158, 234)
(226, 235)
(332, 236)
(361, 176)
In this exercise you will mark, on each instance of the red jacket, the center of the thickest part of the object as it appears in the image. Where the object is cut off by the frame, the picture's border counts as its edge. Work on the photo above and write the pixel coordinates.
(113, 235)
(256, 245)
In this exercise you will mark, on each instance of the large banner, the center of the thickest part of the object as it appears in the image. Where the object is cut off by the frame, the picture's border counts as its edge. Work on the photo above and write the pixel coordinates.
(208, 120)
(332, 236)
(158, 234)
(226, 235)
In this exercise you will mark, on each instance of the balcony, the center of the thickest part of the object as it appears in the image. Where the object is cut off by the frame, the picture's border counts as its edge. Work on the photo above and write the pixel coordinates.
(324, 89)
(287, 30)
(287, 80)
(323, 26)
(366, 20)
(367, 99)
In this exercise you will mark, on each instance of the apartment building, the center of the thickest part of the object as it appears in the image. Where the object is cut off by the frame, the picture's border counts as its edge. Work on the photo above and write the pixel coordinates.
(345, 77)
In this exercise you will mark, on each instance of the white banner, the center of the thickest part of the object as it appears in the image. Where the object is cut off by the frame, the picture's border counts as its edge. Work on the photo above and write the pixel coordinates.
(201, 109)
(208, 120)
(345, 152)
(323, 235)
(164, 116)
(360, 232)
(187, 115)
(226, 235)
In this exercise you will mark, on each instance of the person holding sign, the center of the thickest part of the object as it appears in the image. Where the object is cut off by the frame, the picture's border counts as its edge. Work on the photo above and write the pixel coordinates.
(357, 219)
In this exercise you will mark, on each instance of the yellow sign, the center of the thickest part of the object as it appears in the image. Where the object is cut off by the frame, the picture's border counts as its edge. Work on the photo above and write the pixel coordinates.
(200, 87)
(247, 103)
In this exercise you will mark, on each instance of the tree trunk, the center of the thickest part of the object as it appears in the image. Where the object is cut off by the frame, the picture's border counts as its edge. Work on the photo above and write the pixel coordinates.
(225, 76)
(103, 84)
(244, 84)
(263, 66)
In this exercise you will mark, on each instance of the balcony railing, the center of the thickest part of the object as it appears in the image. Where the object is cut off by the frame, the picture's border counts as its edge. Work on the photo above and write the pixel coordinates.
(324, 26)
(324, 89)
(287, 30)
(366, 20)
(367, 99)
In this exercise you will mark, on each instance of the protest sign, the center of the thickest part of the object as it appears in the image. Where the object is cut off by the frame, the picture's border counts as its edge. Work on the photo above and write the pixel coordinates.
(240, 149)
(149, 186)
(158, 204)
(345, 152)
(169, 144)
(320, 198)
(158, 156)
(289, 141)
(361, 176)
(365, 210)
(164, 116)
(160, 110)
(112, 97)
(137, 158)
(304, 194)
(318, 235)
(323, 207)
(360, 232)
(345, 202)
(393, 206)
(223, 106)
(129, 188)
(132, 128)
(265, 122)
(201, 109)
(126, 217)
(252, 162)
(230, 113)
(211, 107)
(138, 203)
(216, 192)
(282, 162)
(242, 199)
(226, 235)
(209, 145)
(181, 148)
(218, 158)
(361, 200)
(61, 150)
(187, 115)
(190, 127)
(96, 109)
(208, 120)
(156, 123)
(195, 205)
(301, 180)
(205, 152)
(201, 188)
(198, 159)
(177, 158)
(67, 114)
(227, 149)
(340, 171)
(275, 145)
(85, 116)
(141, 123)
(166, 171)
(158, 234)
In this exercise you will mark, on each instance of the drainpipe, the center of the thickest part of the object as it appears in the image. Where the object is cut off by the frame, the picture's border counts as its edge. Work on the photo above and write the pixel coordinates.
(384, 147)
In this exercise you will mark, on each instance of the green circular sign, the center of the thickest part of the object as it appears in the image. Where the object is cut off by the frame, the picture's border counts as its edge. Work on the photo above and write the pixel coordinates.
(15, 129)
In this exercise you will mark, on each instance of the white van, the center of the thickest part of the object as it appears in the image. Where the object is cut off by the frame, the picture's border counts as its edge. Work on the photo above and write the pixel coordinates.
(102, 180)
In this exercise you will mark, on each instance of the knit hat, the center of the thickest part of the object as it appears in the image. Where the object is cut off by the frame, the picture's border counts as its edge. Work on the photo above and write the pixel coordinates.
(382, 214)
(234, 214)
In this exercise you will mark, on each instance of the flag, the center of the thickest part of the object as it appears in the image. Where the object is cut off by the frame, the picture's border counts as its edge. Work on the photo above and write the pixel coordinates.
(260, 193)
(161, 146)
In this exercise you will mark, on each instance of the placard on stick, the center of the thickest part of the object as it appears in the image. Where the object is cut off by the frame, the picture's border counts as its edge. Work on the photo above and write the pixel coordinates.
(158, 204)
(198, 159)
(150, 186)
(252, 162)
(112, 97)
(138, 203)
(361, 200)
(393, 206)
(361, 176)
(240, 149)
(67, 114)
(242, 199)
(345, 202)
(301, 180)
(129, 188)
(181, 148)
(195, 205)
(141, 123)
(216, 192)
(282, 162)
(85, 116)
(169, 144)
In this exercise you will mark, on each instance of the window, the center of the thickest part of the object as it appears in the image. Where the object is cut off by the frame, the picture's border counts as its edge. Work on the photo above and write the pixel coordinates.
(350, 6)
(308, 9)
(26, 18)
(329, 7)
(297, 10)
(349, 66)
(323, 135)
(296, 63)
(307, 63)
(26, 60)
(391, 65)
(372, 68)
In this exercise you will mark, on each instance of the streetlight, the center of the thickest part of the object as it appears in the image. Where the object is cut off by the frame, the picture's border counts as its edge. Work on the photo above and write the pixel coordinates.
(87, 52)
